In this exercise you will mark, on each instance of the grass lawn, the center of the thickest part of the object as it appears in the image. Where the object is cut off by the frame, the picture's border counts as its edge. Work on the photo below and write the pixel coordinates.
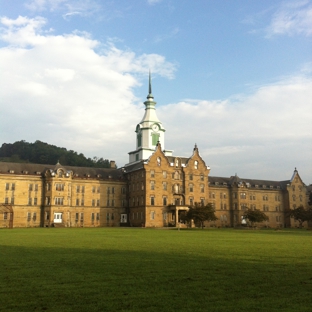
(123, 269)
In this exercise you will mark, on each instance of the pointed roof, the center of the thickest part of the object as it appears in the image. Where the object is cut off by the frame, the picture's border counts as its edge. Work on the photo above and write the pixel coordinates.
(150, 95)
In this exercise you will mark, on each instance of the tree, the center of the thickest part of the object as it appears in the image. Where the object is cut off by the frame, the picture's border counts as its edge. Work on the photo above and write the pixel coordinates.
(255, 215)
(301, 214)
(200, 214)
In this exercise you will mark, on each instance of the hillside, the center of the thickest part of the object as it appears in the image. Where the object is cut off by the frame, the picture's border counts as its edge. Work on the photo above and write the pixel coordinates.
(44, 153)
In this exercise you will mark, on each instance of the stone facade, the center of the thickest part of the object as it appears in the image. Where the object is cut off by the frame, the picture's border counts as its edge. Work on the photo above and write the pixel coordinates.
(152, 190)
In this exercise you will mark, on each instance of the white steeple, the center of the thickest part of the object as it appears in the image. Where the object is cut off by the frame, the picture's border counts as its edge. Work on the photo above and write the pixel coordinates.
(149, 131)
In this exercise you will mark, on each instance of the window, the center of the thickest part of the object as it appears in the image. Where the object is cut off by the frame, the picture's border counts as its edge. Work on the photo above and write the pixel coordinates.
(7, 186)
(6, 200)
(77, 201)
(28, 216)
(265, 197)
(108, 190)
(139, 138)
(107, 216)
(243, 207)
(82, 202)
(300, 198)
(165, 216)
(35, 201)
(165, 201)
(235, 206)
(58, 200)
(152, 185)
(92, 216)
(48, 186)
(191, 188)
(164, 186)
(294, 197)
(5, 216)
(97, 216)
(13, 187)
(93, 189)
(48, 201)
(77, 217)
(158, 161)
(82, 189)
(191, 201)
(165, 174)
(176, 175)
(107, 203)
(98, 202)
(235, 195)
(243, 195)
(29, 201)
(224, 206)
(34, 216)
(142, 186)
(195, 164)
(36, 187)
(113, 190)
(152, 174)
(152, 215)
(265, 208)
(93, 202)
(113, 202)
(202, 201)
(59, 187)
(152, 200)
(30, 188)
(78, 189)
(98, 189)
(201, 177)
(81, 216)
(123, 190)
(155, 138)
(12, 200)
(202, 188)
(191, 177)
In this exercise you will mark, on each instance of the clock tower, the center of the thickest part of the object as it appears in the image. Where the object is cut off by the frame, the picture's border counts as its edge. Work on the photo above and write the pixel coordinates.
(149, 131)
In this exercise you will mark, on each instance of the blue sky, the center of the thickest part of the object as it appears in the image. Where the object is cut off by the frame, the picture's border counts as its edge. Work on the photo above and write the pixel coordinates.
(232, 76)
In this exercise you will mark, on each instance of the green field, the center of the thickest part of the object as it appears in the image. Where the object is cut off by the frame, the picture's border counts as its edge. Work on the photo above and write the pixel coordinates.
(126, 269)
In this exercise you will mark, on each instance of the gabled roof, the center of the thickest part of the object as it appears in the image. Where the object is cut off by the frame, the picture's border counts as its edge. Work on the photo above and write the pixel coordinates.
(252, 183)
(32, 169)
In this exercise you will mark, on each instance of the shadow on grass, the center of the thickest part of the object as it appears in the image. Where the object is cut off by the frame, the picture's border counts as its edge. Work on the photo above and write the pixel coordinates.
(81, 279)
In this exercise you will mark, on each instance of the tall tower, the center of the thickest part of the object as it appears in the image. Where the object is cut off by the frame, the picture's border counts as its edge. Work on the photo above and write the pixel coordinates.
(149, 131)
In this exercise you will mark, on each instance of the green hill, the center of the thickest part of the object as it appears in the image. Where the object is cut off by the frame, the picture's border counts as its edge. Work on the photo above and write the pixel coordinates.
(44, 153)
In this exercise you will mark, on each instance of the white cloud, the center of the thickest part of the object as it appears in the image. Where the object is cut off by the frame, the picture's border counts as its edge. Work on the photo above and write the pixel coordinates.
(292, 18)
(58, 89)
(263, 135)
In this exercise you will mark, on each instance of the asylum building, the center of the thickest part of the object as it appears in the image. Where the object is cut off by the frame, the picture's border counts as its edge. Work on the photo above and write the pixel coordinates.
(152, 190)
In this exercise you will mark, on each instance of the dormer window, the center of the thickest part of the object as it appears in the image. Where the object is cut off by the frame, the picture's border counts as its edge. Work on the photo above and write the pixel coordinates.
(11, 171)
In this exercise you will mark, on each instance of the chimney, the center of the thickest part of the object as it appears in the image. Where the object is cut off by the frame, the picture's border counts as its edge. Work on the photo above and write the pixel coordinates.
(112, 164)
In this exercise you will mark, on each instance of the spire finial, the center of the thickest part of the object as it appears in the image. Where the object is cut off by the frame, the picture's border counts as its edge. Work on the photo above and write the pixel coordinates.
(150, 95)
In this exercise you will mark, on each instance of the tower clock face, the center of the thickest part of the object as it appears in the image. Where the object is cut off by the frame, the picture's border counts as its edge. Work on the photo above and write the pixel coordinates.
(155, 127)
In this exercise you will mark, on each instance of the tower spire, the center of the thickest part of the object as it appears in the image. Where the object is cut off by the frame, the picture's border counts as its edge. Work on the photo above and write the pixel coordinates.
(150, 95)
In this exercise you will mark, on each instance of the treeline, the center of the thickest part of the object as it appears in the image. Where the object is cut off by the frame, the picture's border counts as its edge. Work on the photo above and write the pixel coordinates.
(44, 153)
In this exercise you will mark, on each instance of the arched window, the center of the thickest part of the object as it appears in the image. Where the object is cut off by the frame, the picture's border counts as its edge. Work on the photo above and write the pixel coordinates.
(195, 164)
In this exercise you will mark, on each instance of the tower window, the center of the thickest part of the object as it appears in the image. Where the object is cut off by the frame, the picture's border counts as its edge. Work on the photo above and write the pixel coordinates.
(139, 137)
(155, 138)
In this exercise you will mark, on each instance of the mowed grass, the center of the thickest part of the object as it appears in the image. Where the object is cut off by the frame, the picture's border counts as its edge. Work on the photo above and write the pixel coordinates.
(128, 269)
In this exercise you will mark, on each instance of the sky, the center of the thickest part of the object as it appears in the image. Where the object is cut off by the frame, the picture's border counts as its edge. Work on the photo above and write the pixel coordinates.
(234, 77)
